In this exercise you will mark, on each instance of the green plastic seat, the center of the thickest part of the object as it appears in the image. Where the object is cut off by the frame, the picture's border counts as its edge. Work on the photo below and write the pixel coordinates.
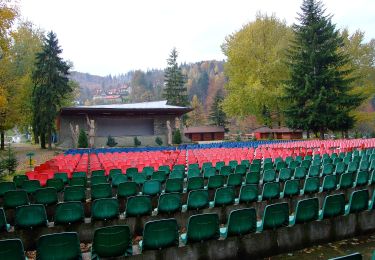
(138, 206)
(30, 186)
(240, 222)
(58, 184)
(19, 179)
(346, 181)
(58, 246)
(208, 172)
(267, 160)
(127, 189)
(372, 178)
(151, 187)
(98, 180)
(306, 164)
(313, 171)
(195, 183)
(179, 167)
(364, 166)
(139, 178)
(327, 160)
(63, 176)
(234, 180)
(358, 201)
(6, 186)
(45, 196)
(252, 178)
(169, 203)
(306, 210)
(299, 158)
(197, 199)
(311, 185)
(316, 162)
(105, 209)
(12, 249)
(114, 171)
(97, 173)
(240, 169)
(15, 198)
(254, 167)
(274, 216)
(246, 163)
(280, 165)
(233, 164)
(193, 172)
(269, 176)
(119, 178)
(329, 183)
(354, 256)
(219, 165)
(248, 193)
(328, 169)
(75, 193)
(285, 174)
(352, 167)
(224, 196)
(67, 213)
(100, 191)
(165, 168)
(362, 178)
(215, 181)
(112, 241)
(4, 226)
(271, 190)
(340, 168)
(30, 216)
(160, 176)
(277, 160)
(206, 165)
(291, 188)
(148, 170)
(159, 234)
(174, 185)
(334, 205)
(79, 174)
(78, 181)
(201, 227)
(293, 165)
(267, 166)
(130, 172)
(300, 173)
(176, 174)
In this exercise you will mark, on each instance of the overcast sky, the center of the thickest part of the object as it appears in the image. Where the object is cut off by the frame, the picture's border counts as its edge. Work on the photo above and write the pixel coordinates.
(114, 36)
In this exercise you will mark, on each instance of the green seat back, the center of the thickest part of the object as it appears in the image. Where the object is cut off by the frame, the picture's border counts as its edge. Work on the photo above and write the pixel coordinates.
(100, 191)
(179, 167)
(138, 206)
(148, 170)
(19, 179)
(285, 174)
(12, 249)
(30, 186)
(15, 198)
(242, 222)
(372, 177)
(271, 190)
(112, 241)
(224, 196)
(327, 161)
(61, 175)
(249, 193)
(193, 166)
(269, 175)
(58, 184)
(358, 201)
(206, 165)
(300, 173)
(160, 234)
(159, 176)
(267, 160)
(97, 173)
(151, 187)
(280, 165)
(246, 163)
(364, 165)
(195, 183)
(215, 181)
(74, 193)
(119, 178)
(362, 178)
(45, 196)
(104, 209)
(276, 215)
(69, 212)
(306, 164)
(194, 172)
(98, 180)
(3, 221)
(240, 169)
(307, 210)
(114, 172)
(293, 165)
(225, 170)
(126, 189)
(334, 205)
(340, 168)
(139, 178)
(354, 256)
(313, 171)
(352, 167)
(219, 165)
(197, 199)
(80, 181)
(58, 246)
(165, 168)
(208, 172)
(174, 185)
(328, 169)
(130, 172)
(202, 227)
(329, 183)
(268, 166)
(79, 174)
(291, 188)
(234, 180)
(30, 216)
(6, 186)
(346, 180)
(169, 203)
(255, 167)
(233, 164)
(311, 185)
(176, 174)
(252, 178)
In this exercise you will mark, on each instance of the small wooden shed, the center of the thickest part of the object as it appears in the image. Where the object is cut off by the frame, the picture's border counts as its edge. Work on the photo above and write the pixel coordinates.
(204, 133)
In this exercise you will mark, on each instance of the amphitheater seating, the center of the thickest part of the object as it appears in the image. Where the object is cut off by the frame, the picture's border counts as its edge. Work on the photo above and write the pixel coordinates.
(67, 213)
(11, 249)
(159, 234)
(30, 216)
(240, 222)
(58, 246)
(201, 227)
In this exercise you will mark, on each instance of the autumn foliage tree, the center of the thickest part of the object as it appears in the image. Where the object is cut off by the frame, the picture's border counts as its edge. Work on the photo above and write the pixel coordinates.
(197, 116)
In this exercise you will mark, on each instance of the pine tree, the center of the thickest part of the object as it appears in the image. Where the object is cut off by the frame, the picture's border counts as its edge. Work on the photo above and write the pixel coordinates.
(174, 90)
(217, 115)
(50, 79)
(318, 94)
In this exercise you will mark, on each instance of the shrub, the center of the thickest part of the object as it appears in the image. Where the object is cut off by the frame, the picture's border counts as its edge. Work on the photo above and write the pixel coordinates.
(111, 142)
(9, 162)
(82, 139)
(137, 142)
(177, 137)
(158, 141)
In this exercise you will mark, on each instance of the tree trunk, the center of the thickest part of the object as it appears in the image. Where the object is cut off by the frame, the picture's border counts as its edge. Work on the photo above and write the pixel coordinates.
(308, 134)
(321, 134)
(43, 140)
(36, 137)
(49, 138)
(2, 146)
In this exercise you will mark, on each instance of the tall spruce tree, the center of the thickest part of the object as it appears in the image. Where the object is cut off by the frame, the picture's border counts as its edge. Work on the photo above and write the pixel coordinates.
(318, 93)
(51, 86)
(217, 115)
(175, 90)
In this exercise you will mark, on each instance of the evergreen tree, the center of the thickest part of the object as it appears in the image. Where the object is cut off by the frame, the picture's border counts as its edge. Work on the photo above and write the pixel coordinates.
(174, 90)
(50, 79)
(318, 94)
(217, 115)
(82, 139)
